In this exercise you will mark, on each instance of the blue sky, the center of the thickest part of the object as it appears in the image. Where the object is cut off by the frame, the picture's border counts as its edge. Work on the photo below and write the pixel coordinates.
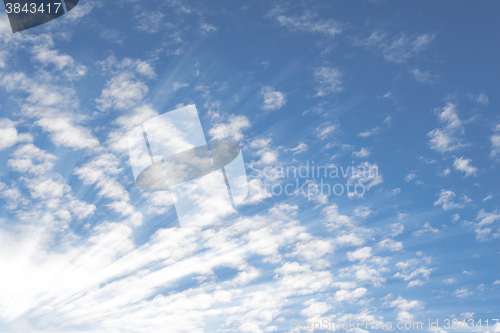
(409, 89)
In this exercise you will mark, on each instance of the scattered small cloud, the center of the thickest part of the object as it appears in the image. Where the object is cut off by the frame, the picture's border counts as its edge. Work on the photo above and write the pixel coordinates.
(447, 138)
(273, 99)
(390, 245)
(488, 198)
(410, 176)
(449, 281)
(396, 49)
(363, 153)
(467, 315)
(369, 133)
(207, 28)
(482, 99)
(325, 131)
(177, 85)
(232, 130)
(9, 135)
(150, 21)
(308, 22)
(360, 254)
(425, 230)
(395, 191)
(445, 200)
(301, 147)
(396, 229)
(328, 79)
(421, 76)
(495, 144)
(462, 293)
(463, 164)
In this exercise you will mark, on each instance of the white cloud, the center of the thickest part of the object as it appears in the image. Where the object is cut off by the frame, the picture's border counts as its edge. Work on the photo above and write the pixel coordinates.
(483, 99)
(463, 164)
(119, 284)
(55, 107)
(448, 138)
(446, 200)
(484, 228)
(449, 281)
(396, 229)
(403, 307)
(365, 174)
(150, 21)
(309, 22)
(346, 295)
(419, 76)
(411, 272)
(485, 218)
(206, 28)
(314, 309)
(495, 143)
(124, 90)
(467, 315)
(398, 49)
(415, 283)
(232, 130)
(363, 153)
(462, 293)
(365, 274)
(65, 133)
(62, 62)
(102, 171)
(312, 250)
(329, 80)
(273, 100)
(334, 219)
(395, 191)
(301, 147)
(488, 197)
(9, 135)
(324, 131)
(426, 229)
(369, 133)
(360, 254)
(177, 85)
(362, 212)
(390, 245)
(32, 160)
(410, 176)
(265, 151)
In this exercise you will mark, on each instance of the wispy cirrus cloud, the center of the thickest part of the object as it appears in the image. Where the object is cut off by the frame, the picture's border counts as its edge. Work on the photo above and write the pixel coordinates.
(328, 79)
(308, 22)
(495, 143)
(422, 76)
(396, 49)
